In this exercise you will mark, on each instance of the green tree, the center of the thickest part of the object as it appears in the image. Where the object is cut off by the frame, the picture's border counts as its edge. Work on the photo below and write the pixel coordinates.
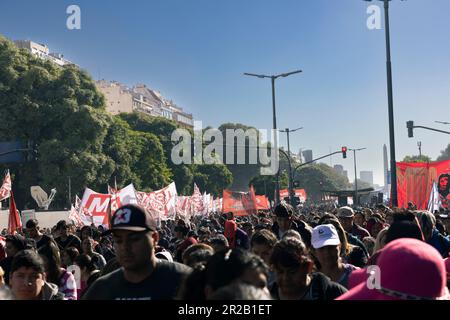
(445, 154)
(213, 178)
(422, 158)
(138, 156)
(163, 128)
(59, 109)
(242, 173)
(317, 177)
(265, 184)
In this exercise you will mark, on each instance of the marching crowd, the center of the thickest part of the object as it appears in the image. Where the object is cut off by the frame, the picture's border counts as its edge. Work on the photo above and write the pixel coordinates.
(305, 253)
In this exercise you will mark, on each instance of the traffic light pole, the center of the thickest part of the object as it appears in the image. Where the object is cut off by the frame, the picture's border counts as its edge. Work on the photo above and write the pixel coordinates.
(356, 178)
(314, 160)
(410, 125)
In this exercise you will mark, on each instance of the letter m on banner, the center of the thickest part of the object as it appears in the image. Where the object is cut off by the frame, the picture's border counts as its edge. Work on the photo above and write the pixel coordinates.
(96, 204)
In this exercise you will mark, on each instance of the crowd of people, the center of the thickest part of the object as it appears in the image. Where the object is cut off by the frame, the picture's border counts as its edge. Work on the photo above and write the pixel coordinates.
(305, 253)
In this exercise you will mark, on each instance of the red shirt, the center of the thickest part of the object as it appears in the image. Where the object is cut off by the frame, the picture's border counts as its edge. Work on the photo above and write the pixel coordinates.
(230, 233)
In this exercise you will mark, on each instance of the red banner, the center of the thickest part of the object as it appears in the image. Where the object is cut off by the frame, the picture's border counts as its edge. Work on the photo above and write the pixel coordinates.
(301, 193)
(14, 221)
(262, 203)
(240, 203)
(414, 182)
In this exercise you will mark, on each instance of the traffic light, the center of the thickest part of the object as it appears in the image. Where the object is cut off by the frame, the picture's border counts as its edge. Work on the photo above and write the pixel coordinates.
(344, 152)
(410, 126)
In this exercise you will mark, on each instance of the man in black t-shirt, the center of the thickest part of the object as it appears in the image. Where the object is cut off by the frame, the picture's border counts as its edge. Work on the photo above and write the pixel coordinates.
(142, 276)
(32, 232)
(65, 239)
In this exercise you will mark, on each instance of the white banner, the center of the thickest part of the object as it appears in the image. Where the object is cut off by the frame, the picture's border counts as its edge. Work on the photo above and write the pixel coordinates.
(160, 204)
(122, 197)
(96, 205)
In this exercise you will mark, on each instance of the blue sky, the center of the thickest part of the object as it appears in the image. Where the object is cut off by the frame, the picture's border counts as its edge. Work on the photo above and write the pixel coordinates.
(195, 52)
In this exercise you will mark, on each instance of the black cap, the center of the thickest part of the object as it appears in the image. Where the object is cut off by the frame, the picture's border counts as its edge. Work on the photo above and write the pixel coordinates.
(133, 218)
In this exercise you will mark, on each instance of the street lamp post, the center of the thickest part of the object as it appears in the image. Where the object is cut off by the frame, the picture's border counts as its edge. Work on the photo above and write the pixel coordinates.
(356, 177)
(291, 178)
(390, 105)
(273, 78)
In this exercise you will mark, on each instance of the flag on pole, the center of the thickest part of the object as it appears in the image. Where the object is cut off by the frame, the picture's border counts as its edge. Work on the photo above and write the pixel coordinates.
(14, 221)
(240, 203)
(5, 190)
(74, 215)
(262, 203)
(197, 201)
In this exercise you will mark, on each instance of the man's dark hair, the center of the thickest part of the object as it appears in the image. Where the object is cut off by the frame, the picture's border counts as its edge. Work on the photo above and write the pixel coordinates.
(61, 224)
(444, 193)
(18, 241)
(403, 229)
(283, 210)
(219, 240)
(289, 253)
(53, 266)
(198, 257)
(404, 216)
(85, 261)
(225, 266)
(72, 252)
(28, 259)
(183, 229)
(264, 237)
(91, 231)
(32, 223)
(326, 217)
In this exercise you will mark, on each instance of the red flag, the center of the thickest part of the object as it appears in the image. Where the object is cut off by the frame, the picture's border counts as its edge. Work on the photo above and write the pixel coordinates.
(240, 203)
(262, 203)
(14, 222)
(249, 201)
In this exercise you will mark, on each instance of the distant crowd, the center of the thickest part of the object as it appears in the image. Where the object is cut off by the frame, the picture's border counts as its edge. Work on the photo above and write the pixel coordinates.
(304, 253)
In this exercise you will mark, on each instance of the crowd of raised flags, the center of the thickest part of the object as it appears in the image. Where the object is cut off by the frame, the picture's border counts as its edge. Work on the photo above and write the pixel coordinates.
(165, 204)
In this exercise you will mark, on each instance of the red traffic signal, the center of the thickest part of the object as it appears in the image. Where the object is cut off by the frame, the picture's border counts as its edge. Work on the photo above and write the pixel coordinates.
(344, 152)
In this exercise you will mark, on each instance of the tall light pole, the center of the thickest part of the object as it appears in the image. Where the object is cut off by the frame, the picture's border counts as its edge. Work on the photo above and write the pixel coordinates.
(291, 178)
(419, 144)
(394, 200)
(356, 177)
(273, 78)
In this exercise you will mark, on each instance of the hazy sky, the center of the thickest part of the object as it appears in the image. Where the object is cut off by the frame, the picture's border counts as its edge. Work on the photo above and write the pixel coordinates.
(195, 52)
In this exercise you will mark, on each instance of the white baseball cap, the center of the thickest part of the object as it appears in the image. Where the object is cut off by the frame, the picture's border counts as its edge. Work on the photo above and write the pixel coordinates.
(324, 235)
